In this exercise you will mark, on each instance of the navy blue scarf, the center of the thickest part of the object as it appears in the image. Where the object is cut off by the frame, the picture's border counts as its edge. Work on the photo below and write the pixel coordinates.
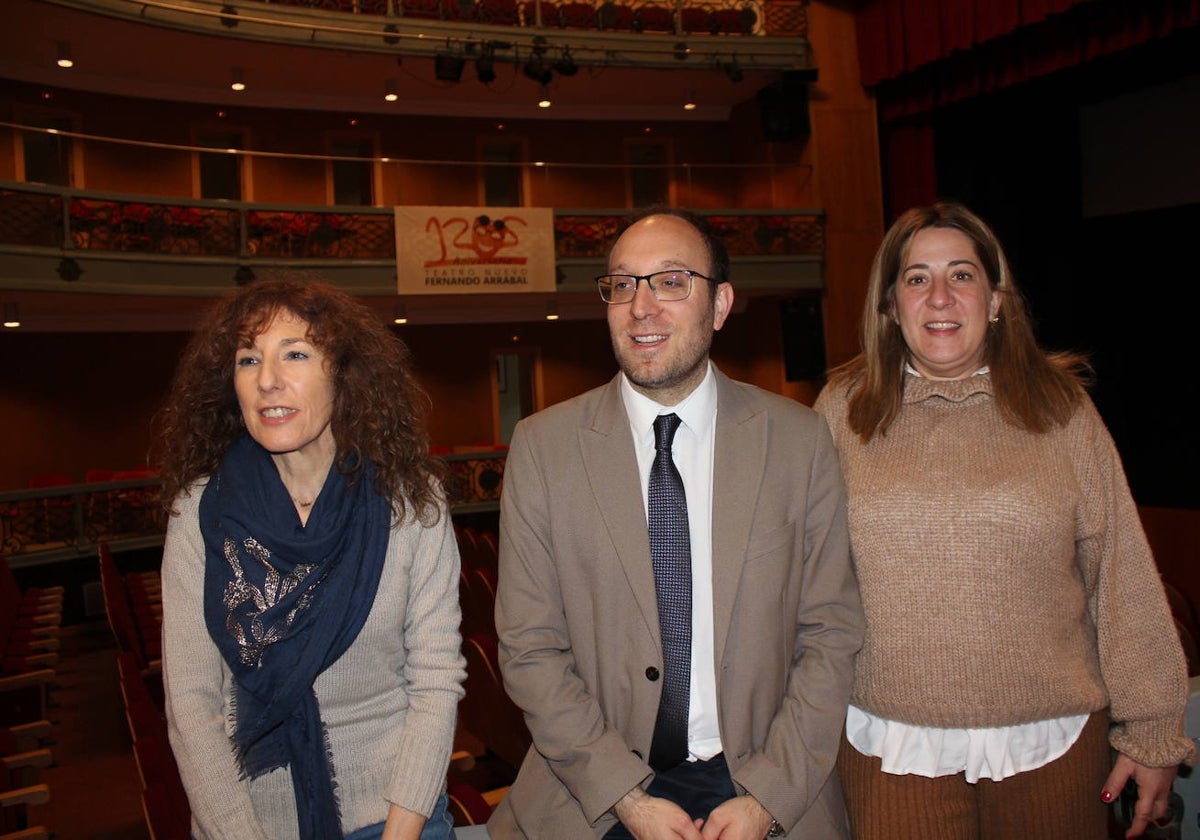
(283, 602)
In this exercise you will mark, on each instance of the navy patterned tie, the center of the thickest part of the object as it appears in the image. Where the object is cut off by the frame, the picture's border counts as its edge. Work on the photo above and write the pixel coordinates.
(671, 554)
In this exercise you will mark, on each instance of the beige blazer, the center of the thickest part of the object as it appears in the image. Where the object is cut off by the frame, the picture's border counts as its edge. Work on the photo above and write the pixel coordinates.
(578, 621)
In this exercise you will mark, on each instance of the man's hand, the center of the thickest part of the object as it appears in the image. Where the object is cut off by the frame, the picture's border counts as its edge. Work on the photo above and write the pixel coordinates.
(740, 818)
(653, 818)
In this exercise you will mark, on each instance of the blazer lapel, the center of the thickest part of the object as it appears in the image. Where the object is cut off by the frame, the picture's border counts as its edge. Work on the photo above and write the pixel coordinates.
(611, 469)
(738, 465)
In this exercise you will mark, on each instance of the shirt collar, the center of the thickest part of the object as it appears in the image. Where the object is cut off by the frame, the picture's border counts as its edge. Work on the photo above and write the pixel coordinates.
(909, 369)
(698, 410)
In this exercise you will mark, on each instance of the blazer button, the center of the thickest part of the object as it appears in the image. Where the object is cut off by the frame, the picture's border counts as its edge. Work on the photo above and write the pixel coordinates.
(652, 674)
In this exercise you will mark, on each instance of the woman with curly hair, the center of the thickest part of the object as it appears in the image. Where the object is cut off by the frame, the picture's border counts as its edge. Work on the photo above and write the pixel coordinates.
(311, 651)
(1017, 629)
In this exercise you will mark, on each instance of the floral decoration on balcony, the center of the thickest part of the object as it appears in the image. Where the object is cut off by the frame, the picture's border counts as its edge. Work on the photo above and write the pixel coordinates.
(584, 236)
(775, 234)
(294, 234)
(92, 222)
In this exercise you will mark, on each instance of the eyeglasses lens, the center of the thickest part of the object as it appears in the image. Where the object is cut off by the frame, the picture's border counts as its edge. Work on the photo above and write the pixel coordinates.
(666, 285)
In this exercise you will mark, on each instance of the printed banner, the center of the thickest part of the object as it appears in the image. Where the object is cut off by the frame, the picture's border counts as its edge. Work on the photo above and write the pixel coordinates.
(464, 250)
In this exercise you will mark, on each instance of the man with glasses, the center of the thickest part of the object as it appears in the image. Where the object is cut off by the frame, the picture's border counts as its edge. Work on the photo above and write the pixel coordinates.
(677, 612)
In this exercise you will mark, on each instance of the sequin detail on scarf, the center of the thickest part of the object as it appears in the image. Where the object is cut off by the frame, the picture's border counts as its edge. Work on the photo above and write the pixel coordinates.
(245, 623)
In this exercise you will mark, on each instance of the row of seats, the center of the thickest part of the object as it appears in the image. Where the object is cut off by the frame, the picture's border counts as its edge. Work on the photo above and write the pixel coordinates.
(133, 603)
(642, 17)
(22, 756)
(477, 580)
(164, 800)
(647, 17)
(29, 623)
(486, 711)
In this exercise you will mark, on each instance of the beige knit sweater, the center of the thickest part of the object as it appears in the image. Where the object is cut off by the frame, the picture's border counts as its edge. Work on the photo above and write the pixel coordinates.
(1005, 575)
(389, 704)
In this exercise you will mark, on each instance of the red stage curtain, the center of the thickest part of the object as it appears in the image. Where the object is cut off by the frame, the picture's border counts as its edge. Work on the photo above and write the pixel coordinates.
(920, 55)
(911, 170)
(899, 36)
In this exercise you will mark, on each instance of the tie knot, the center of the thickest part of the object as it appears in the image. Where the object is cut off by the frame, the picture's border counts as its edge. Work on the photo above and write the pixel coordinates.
(664, 431)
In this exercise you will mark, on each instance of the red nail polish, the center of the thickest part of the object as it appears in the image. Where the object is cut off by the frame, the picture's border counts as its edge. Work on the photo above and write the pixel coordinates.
(1107, 796)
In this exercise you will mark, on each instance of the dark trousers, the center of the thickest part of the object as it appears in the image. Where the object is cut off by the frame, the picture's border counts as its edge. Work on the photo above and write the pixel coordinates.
(695, 786)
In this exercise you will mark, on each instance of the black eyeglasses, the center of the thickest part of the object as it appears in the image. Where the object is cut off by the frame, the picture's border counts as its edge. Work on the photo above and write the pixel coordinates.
(675, 284)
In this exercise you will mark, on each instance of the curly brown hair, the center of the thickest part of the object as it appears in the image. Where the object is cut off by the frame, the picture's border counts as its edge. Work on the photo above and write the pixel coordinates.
(379, 409)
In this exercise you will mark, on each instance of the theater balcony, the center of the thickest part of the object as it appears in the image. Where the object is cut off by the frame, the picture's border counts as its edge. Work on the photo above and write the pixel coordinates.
(192, 145)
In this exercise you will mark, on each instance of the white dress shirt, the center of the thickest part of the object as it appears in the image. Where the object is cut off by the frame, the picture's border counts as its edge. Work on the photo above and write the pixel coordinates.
(692, 451)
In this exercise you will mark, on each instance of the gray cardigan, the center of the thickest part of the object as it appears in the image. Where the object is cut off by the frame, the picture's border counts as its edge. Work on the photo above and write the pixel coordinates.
(389, 704)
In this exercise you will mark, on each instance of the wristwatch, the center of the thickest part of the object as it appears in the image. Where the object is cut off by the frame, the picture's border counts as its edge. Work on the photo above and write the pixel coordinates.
(776, 830)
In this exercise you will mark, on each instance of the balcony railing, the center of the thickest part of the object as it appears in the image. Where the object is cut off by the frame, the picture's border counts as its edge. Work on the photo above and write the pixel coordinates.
(56, 523)
(769, 33)
(83, 222)
(735, 17)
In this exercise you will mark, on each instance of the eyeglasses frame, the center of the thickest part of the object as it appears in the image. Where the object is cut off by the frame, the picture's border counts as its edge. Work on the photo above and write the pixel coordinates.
(636, 278)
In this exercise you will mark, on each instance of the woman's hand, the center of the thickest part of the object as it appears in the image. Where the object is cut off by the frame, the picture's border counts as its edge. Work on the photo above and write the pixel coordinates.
(1153, 787)
(403, 824)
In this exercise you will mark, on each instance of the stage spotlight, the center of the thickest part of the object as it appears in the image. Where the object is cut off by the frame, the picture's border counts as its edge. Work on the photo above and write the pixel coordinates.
(485, 66)
(566, 65)
(535, 68)
(448, 68)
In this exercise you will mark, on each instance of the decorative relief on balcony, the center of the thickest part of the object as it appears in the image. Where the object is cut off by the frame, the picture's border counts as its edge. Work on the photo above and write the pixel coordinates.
(30, 219)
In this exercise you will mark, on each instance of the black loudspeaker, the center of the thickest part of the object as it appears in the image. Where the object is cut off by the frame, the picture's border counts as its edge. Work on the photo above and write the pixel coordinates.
(803, 338)
(783, 107)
